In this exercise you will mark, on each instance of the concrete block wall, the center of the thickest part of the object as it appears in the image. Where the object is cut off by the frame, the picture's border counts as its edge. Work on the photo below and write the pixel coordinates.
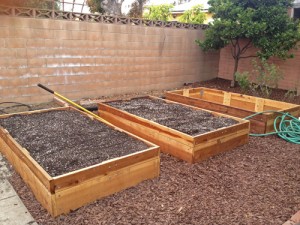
(86, 59)
(290, 67)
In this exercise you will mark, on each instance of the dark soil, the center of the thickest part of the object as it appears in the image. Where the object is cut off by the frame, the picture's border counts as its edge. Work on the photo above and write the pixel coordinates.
(176, 116)
(64, 141)
(255, 184)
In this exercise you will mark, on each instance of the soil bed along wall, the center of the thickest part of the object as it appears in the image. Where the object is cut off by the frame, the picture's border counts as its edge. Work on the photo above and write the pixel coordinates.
(63, 141)
(175, 116)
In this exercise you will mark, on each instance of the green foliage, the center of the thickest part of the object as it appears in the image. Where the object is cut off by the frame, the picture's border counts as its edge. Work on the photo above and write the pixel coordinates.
(195, 15)
(243, 80)
(159, 12)
(265, 24)
(39, 4)
(266, 76)
(95, 6)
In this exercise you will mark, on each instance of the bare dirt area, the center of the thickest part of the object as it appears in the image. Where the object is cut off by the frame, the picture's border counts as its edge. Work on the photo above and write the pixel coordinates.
(176, 116)
(63, 141)
(255, 184)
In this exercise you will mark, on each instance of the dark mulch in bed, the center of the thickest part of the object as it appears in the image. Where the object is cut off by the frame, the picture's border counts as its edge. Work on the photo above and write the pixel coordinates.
(176, 116)
(255, 184)
(64, 141)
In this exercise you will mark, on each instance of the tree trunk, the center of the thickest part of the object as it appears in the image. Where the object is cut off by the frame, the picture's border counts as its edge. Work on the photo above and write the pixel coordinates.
(141, 4)
(236, 64)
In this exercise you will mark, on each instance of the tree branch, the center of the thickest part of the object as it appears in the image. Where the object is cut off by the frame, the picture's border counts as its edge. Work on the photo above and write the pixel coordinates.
(233, 50)
(238, 53)
(248, 45)
(249, 56)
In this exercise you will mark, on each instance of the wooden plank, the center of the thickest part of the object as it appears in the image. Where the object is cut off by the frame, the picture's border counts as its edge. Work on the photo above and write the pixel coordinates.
(279, 104)
(295, 111)
(60, 102)
(259, 105)
(219, 140)
(23, 155)
(39, 190)
(223, 145)
(208, 105)
(186, 92)
(257, 127)
(168, 143)
(208, 97)
(227, 98)
(221, 132)
(240, 104)
(104, 185)
(79, 176)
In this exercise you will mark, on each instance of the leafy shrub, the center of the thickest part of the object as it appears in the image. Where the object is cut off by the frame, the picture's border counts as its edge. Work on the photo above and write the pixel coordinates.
(158, 12)
(194, 15)
(243, 80)
(266, 76)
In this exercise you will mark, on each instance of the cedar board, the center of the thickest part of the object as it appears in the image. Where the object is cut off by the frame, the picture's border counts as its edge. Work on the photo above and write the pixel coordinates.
(234, 104)
(183, 146)
(61, 194)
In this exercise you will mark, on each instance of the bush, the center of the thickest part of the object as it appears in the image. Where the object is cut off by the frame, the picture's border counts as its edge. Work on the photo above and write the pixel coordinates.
(158, 12)
(266, 76)
(195, 15)
(243, 80)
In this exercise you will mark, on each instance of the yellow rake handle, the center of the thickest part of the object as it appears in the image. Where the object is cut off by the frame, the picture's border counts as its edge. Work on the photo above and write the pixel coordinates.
(74, 104)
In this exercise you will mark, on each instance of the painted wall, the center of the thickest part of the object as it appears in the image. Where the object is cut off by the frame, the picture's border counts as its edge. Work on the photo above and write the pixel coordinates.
(86, 59)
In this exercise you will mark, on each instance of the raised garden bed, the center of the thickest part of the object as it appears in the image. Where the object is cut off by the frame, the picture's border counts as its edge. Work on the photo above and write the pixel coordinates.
(183, 131)
(234, 104)
(70, 159)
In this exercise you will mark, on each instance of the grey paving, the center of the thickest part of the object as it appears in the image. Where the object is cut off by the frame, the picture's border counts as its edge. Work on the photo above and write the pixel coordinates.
(12, 209)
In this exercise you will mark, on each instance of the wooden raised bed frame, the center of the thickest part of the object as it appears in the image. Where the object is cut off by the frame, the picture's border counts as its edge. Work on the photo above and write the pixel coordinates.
(234, 104)
(70, 191)
(183, 146)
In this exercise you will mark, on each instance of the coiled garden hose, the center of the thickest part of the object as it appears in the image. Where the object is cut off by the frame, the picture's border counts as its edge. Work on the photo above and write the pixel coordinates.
(288, 127)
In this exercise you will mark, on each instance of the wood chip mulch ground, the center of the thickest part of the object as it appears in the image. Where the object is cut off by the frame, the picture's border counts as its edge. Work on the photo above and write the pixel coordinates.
(258, 183)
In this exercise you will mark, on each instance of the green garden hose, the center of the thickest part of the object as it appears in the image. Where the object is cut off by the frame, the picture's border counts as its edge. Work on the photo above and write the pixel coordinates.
(288, 127)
